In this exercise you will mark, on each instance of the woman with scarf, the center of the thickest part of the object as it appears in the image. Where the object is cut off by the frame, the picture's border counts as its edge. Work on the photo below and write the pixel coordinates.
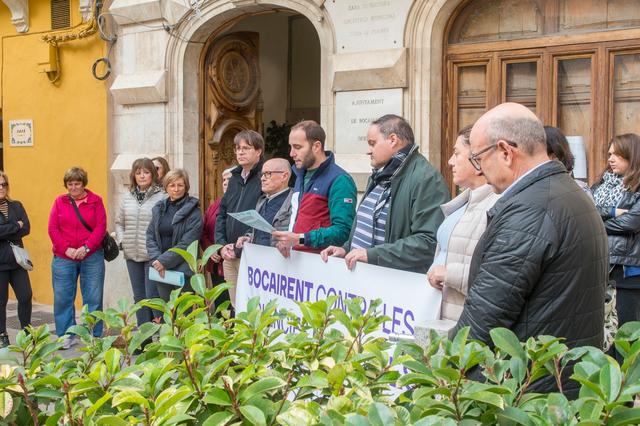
(131, 230)
(464, 223)
(617, 199)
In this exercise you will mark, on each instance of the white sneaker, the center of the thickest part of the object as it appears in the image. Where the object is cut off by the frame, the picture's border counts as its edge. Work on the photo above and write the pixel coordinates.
(68, 342)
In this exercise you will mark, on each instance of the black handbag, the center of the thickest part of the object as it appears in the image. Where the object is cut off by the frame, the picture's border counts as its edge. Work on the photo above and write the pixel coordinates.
(109, 246)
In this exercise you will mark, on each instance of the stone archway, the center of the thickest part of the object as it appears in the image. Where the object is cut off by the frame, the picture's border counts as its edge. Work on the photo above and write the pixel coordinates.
(424, 36)
(183, 57)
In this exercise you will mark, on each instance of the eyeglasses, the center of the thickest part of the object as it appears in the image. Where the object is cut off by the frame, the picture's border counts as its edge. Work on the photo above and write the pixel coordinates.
(474, 159)
(243, 148)
(267, 175)
(4, 185)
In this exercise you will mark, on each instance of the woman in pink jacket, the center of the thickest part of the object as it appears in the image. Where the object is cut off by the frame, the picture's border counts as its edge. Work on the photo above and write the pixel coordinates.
(77, 251)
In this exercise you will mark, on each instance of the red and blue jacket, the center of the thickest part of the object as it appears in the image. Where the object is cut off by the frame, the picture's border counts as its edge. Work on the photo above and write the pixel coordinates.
(324, 208)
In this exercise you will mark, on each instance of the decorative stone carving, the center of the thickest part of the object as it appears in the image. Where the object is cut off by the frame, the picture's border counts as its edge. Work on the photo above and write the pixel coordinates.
(231, 81)
(86, 9)
(232, 69)
(142, 88)
(19, 14)
(377, 69)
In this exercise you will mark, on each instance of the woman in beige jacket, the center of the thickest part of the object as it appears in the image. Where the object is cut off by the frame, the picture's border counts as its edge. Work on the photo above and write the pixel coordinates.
(464, 224)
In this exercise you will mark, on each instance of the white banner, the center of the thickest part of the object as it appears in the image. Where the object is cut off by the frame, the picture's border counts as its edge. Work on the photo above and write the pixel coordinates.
(407, 297)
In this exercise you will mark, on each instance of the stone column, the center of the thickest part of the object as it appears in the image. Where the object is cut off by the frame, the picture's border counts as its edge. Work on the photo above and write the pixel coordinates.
(138, 102)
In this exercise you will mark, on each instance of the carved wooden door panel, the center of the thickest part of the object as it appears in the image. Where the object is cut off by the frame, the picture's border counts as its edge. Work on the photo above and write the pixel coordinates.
(232, 103)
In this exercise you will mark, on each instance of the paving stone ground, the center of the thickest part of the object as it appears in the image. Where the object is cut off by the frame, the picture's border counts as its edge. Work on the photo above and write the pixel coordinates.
(40, 315)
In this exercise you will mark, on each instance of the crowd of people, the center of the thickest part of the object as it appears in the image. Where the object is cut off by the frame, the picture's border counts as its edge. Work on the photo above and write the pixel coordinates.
(523, 245)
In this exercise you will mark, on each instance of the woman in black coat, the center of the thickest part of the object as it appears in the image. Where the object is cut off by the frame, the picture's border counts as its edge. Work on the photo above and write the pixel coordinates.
(176, 222)
(14, 224)
(617, 197)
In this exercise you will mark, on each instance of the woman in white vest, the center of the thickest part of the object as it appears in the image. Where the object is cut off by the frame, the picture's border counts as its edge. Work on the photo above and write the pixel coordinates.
(131, 230)
(464, 223)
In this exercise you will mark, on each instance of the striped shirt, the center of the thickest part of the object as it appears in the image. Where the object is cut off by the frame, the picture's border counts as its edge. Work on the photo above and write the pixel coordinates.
(4, 208)
(369, 231)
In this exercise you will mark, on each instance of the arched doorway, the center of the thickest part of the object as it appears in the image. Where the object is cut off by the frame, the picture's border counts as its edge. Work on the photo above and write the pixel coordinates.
(259, 72)
(574, 63)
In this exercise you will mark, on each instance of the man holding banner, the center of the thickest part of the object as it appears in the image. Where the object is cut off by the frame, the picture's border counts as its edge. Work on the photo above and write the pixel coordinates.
(323, 203)
(397, 220)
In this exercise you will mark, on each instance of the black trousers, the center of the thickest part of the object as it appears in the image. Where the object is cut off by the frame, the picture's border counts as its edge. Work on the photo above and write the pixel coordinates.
(627, 300)
(19, 280)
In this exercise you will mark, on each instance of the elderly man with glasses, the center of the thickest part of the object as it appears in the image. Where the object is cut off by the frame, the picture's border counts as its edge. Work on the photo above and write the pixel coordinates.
(275, 203)
(541, 266)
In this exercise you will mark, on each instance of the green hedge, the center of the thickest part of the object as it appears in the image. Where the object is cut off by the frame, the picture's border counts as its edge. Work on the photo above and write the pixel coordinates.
(208, 370)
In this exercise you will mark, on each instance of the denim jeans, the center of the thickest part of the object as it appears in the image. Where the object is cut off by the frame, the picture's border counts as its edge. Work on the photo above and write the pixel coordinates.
(65, 275)
(142, 289)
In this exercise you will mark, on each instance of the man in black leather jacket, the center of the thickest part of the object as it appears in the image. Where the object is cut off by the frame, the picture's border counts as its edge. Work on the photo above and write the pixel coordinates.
(541, 266)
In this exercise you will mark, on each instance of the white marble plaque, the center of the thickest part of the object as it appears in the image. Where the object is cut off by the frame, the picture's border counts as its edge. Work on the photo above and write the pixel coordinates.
(354, 113)
(362, 25)
(21, 133)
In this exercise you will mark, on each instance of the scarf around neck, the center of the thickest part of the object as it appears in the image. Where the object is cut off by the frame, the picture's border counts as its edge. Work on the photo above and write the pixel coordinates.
(385, 175)
(609, 192)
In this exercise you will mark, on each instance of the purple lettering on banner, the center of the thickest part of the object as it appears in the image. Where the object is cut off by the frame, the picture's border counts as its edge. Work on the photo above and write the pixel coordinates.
(290, 282)
(309, 286)
(273, 285)
(384, 324)
(264, 279)
(299, 290)
(409, 324)
(282, 291)
(394, 321)
(331, 292)
(321, 288)
(250, 275)
(256, 277)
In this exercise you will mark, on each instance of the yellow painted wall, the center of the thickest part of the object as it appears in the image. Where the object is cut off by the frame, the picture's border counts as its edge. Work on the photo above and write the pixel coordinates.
(69, 121)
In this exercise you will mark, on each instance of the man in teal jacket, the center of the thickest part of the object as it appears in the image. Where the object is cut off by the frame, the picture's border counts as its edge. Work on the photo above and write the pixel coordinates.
(397, 220)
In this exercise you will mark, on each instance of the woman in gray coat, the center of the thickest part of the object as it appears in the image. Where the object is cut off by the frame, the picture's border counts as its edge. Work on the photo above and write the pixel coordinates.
(131, 230)
(176, 222)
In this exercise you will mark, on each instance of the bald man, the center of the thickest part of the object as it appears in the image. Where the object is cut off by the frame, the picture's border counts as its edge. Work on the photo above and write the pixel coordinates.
(541, 266)
(275, 203)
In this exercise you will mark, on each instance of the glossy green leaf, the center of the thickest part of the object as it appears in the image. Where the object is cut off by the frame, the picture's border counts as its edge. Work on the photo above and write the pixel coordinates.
(129, 397)
(514, 415)
(610, 382)
(218, 397)
(261, 386)
(188, 257)
(381, 415)
(626, 416)
(218, 419)
(506, 340)
(485, 397)
(253, 415)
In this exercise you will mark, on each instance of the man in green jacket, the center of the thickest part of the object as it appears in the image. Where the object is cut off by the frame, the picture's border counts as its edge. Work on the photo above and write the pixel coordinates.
(397, 220)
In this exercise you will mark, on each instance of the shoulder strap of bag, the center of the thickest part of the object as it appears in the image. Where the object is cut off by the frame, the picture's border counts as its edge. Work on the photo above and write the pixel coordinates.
(75, 207)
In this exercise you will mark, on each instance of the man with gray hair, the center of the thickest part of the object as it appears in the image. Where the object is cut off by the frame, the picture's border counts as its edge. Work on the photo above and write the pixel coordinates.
(541, 266)
(397, 220)
(274, 205)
